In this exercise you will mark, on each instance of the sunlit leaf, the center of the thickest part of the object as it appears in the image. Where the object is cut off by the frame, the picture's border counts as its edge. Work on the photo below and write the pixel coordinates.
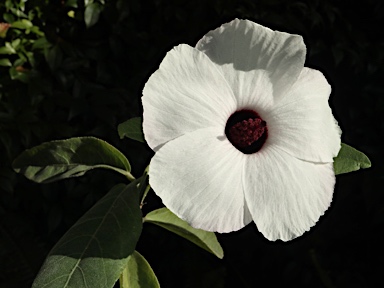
(349, 159)
(7, 49)
(94, 251)
(18, 13)
(5, 62)
(132, 129)
(15, 43)
(204, 239)
(138, 273)
(36, 30)
(56, 160)
(71, 14)
(22, 24)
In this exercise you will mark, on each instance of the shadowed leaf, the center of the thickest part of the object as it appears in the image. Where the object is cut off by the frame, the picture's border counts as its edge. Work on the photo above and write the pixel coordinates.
(94, 252)
(204, 239)
(5, 62)
(131, 129)
(56, 160)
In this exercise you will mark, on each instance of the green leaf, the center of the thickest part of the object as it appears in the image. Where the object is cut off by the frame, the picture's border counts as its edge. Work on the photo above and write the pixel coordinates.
(36, 30)
(53, 56)
(71, 3)
(94, 251)
(144, 186)
(56, 160)
(92, 14)
(9, 4)
(22, 24)
(138, 273)
(18, 13)
(9, 18)
(15, 43)
(71, 14)
(131, 129)
(5, 62)
(204, 239)
(18, 75)
(40, 43)
(349, 159)
(7, 49)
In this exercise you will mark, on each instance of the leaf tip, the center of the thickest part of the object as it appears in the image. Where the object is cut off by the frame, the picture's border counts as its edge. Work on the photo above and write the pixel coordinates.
(367, 164)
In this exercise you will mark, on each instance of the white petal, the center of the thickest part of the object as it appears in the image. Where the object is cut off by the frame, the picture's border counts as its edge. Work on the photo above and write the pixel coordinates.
(199, 178)
(253, 90)
(302, 123)
(244, 45)
(186, 93)
(285, 195)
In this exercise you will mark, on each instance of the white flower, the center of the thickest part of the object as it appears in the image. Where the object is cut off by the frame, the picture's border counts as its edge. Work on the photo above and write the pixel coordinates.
(242, 131)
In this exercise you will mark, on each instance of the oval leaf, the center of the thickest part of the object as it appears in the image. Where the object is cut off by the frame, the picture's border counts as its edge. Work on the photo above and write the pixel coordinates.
(349, 159)
(40, 43)
(132, 129)
(56, 160)
(22, 24)
(92, 14)
(204, 239)
(54, 56)
(5, 62)
(138, 273)
(94, 251)
(7, 49)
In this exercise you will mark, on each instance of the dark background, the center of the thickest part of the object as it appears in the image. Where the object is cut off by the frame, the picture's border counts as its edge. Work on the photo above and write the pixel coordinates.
(85, 81)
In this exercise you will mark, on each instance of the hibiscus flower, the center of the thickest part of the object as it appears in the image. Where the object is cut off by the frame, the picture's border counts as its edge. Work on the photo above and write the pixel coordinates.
(242, 131)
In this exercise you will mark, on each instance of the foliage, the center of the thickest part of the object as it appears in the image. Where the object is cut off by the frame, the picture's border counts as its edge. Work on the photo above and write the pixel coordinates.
(95, 250)
(72, 157)
(131, 129)
(104, 238)
(349, 159)
(166, 219)
(138, 273)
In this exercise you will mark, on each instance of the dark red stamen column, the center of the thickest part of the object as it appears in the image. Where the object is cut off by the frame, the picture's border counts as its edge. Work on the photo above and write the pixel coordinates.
(246, 131)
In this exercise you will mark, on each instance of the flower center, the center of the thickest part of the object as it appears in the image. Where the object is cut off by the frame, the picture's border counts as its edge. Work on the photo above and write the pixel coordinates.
(246, 131)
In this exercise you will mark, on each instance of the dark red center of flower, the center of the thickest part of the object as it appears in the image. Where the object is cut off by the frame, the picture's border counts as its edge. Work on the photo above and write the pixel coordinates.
(246, 131)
